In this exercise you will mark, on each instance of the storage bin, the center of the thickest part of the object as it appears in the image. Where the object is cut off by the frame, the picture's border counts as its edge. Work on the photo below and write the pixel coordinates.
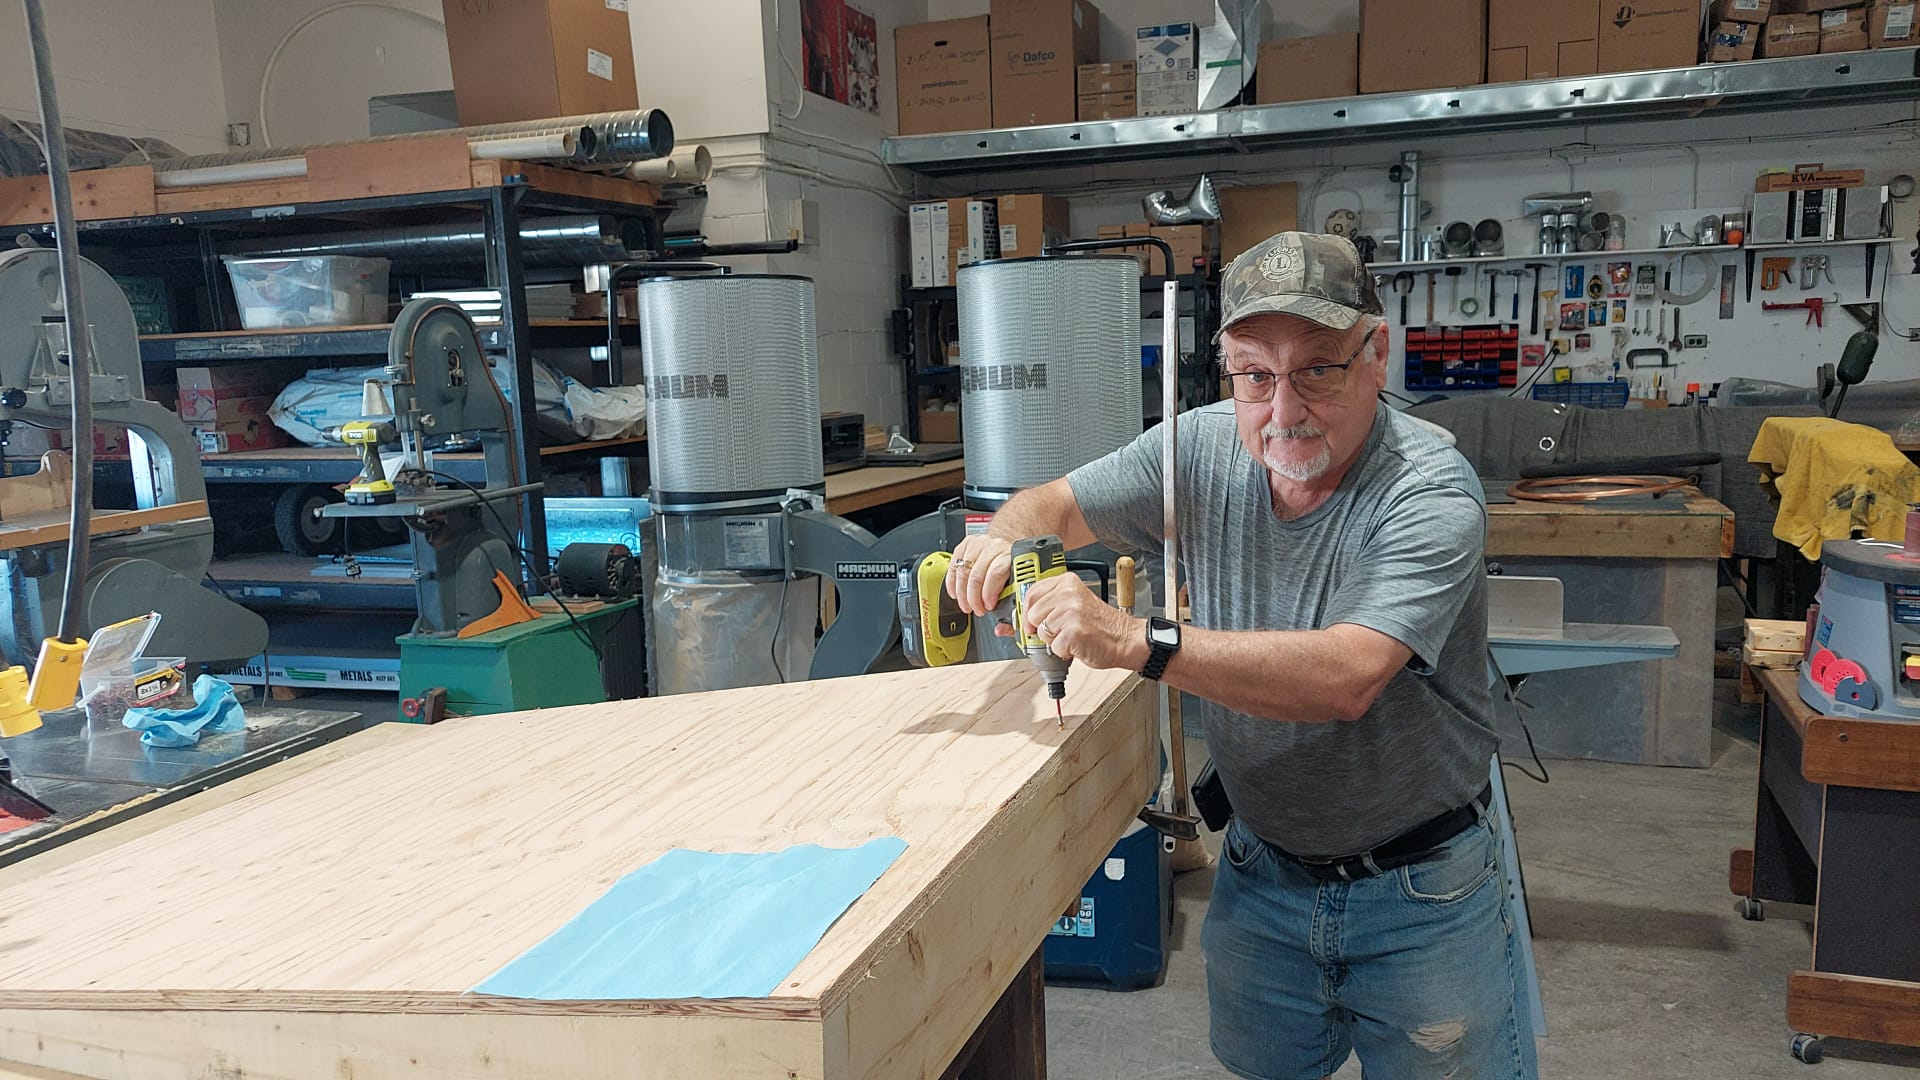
(317, 290)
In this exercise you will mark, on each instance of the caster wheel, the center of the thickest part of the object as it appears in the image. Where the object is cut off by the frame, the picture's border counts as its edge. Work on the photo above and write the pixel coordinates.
(297, 522)
(1752, 910)
(1807, 1049)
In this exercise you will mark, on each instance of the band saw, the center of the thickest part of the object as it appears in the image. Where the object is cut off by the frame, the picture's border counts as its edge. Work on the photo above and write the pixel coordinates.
(155, 567)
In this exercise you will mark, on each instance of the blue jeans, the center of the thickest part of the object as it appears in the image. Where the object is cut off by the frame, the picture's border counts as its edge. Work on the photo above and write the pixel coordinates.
(1415, 969)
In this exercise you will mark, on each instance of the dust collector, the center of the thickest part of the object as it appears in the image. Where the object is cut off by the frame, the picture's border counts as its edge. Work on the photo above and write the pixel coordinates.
(1049, 368)
(733, 422)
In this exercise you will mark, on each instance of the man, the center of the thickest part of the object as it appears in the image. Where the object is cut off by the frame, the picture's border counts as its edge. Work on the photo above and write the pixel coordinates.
(1333, 552)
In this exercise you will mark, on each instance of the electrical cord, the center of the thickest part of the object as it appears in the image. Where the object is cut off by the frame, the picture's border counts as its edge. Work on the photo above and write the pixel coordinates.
(508, 534)
(78, 343)
(1506, 690)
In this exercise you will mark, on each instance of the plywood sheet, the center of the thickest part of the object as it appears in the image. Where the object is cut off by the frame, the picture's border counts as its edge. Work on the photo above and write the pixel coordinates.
(389, 883)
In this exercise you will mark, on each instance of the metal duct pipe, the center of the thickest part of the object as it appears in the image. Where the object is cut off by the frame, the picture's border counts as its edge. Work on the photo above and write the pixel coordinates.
(545, 146)
(547, 241)
(606, 138)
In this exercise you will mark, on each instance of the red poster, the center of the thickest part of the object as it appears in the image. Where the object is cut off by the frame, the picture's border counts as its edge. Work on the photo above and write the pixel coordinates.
(823, 63)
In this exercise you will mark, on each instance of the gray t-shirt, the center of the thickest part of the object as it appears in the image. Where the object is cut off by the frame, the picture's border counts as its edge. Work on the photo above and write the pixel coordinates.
(1398, 548)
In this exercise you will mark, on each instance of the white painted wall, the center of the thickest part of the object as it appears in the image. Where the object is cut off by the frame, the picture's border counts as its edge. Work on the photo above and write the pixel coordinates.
(319, 86)
(126, 69)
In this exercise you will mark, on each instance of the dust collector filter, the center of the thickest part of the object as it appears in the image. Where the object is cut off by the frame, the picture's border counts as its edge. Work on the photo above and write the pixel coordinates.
(1049, 368)
(733, 389)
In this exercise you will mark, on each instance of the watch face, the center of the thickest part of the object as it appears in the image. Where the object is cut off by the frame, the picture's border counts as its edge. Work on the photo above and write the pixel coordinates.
(1163, 633)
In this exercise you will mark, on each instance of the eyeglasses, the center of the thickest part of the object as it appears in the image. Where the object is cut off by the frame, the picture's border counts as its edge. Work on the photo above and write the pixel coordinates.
(1314, 382)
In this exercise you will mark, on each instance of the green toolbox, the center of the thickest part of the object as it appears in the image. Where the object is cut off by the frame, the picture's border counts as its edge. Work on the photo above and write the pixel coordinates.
(529, 665)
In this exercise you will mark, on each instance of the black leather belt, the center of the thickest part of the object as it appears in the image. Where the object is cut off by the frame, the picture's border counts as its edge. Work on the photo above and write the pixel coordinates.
(1412, 846)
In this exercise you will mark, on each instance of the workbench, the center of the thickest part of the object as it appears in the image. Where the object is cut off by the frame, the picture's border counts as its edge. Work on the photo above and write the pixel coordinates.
(1837, 825)
(875, 485)
(332, 914)
(1639, 562)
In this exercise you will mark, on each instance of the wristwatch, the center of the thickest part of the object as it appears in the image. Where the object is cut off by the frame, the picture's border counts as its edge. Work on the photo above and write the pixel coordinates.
(1163, 640)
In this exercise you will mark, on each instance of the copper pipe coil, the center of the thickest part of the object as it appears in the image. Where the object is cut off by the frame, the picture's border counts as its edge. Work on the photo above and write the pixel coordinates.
(1539, 488)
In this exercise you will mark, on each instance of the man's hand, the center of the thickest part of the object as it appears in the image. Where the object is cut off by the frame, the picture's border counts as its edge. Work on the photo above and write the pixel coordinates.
(1076, 625)
(982, 566)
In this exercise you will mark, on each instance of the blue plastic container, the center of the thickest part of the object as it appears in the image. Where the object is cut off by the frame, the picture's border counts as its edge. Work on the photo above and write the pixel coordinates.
(1118, 939)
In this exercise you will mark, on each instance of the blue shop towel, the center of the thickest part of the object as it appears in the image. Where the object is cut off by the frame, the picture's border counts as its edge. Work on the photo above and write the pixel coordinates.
(215, 710)
(698, 924)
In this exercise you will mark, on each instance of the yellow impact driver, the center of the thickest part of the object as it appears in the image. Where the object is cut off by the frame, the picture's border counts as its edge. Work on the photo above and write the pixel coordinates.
(371, 487)
(1035, 559)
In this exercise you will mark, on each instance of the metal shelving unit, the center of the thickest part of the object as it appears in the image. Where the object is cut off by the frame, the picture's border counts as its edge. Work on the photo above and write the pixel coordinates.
(191, 240)
(1675, 93)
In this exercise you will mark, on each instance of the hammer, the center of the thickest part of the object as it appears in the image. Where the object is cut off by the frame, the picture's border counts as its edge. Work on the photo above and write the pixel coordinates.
(1516, 275)
(1536, 268)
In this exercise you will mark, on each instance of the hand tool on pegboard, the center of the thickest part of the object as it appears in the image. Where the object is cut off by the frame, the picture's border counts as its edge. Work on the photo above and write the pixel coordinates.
(1432, 278)
(1516, 274)
(1403, 285)
(1726, 291)
(1773, 272)
(1537, 296)
(1815, 306)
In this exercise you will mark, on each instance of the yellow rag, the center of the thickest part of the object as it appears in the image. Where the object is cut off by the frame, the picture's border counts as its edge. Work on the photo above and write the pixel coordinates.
(1833, 480)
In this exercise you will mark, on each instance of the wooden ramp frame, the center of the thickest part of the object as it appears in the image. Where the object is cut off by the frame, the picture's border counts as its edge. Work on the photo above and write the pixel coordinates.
(329, 925)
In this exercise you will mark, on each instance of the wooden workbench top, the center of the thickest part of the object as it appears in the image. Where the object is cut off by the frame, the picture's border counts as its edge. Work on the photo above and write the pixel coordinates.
(1848, 750)
(859, 489)
(335, 921)
(1702, 530)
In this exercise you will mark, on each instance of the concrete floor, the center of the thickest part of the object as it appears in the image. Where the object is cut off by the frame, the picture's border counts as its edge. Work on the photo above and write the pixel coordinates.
(1646, 968)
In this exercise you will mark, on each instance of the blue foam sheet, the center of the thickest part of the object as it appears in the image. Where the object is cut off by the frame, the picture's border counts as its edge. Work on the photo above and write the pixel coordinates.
(698, 924)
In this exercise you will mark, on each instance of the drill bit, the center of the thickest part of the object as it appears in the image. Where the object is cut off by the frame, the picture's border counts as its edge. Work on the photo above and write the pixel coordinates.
(1059, 715)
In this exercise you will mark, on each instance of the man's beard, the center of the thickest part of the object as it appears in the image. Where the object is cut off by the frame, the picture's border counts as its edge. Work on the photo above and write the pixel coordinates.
(1298, 471)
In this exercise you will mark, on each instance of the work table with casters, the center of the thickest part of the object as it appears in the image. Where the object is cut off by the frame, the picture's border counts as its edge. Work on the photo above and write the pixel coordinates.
(1637, 562)
(335, 916)
(1837, 826)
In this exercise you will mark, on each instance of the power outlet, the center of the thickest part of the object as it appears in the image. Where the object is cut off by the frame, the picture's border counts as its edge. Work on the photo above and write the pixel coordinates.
(1694, 341)
(240, 134)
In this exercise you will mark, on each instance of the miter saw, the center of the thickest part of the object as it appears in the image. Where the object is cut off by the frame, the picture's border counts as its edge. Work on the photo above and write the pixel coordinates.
(158, 567)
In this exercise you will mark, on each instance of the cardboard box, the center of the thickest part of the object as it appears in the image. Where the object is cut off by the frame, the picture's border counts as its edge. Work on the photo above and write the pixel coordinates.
(202, 390)
(939, 426)
(1890, 25)
(30, 443)
(1650, 35)
(1808, 176)
(1038, 47)
(1791, 35)
(920, 244)
(1733, 41)
(1029, 222)
(1532, 39)
(1742, 11)
(1190, 243)
(1844, 30)
(1166, 77)
(1116, 106)
(1307, 69)
(531, 59)
(1422, 44)
(1112, 77)
(943, 74)
(1249, 215)
(1110, 232)
(1810, 7)
(973, 232)
(226, 437)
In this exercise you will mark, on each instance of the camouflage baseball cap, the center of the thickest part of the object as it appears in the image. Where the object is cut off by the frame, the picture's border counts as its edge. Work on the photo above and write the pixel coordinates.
(1309, 275)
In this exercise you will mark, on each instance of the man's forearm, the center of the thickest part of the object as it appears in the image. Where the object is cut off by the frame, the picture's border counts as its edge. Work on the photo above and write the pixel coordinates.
(1304, 676)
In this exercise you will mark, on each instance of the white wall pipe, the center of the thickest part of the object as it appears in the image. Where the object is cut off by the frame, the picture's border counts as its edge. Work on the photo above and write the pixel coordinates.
(558, 144)
(686, 165)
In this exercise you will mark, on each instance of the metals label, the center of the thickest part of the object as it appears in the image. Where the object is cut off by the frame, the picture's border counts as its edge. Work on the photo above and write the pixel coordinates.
(866, 571)
(1076, 925)
(748, 542)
